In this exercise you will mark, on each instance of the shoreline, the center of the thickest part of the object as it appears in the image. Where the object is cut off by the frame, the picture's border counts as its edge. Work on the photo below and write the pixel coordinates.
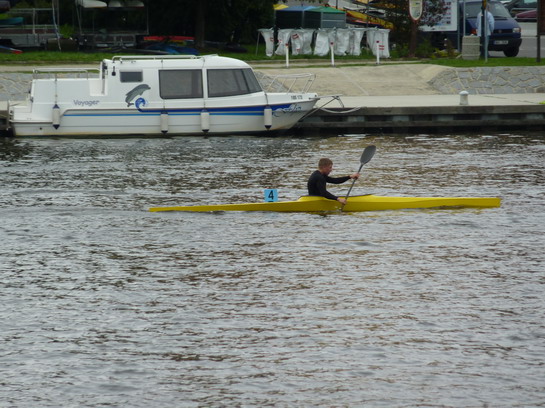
(397, 97)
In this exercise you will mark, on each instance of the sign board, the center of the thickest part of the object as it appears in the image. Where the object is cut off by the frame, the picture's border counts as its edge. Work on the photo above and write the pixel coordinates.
(415, 9)
(449, 22)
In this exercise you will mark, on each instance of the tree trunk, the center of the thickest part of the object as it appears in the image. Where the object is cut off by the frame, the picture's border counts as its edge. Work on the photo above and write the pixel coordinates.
(200, 23)
(413, 39)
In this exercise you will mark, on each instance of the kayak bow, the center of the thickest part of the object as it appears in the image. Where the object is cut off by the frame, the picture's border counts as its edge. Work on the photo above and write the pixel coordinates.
(355, 204)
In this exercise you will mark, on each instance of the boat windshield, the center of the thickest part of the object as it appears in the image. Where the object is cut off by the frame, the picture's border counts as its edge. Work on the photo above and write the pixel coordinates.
(231, 82)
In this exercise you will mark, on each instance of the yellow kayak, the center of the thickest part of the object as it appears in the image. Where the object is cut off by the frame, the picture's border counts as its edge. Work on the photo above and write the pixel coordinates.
(355, 204)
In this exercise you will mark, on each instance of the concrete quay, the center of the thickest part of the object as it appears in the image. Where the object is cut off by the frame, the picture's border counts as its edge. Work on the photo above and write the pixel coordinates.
(427, 113)
(392, 97)
(400, 98)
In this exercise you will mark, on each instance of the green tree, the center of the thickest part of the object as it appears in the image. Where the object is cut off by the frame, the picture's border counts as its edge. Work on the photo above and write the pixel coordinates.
(397, 12)
(211, 20)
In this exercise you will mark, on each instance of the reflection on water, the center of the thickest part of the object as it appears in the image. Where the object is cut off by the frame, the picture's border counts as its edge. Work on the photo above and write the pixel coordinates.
(106, 304)
(12, 150)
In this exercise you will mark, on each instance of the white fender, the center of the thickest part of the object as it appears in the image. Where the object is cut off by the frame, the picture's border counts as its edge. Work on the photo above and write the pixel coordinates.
(267, 117)
(56, 116)
(205, 120)
(164, 123)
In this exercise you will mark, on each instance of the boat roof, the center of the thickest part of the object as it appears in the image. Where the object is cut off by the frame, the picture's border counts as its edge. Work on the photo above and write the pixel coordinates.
(177, 61)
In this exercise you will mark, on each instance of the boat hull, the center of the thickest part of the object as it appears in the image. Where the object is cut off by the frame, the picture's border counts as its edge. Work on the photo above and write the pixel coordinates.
(355, 204)
(119, 122)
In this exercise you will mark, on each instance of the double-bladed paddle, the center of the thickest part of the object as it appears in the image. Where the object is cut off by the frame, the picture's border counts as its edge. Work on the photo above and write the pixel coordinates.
(366, 156)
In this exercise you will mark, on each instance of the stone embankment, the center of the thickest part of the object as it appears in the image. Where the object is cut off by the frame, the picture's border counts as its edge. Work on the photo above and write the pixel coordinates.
(494, 80)
(14, 86)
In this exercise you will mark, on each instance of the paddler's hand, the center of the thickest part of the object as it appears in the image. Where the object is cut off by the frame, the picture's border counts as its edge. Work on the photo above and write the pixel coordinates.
(355, 176)
(342, 200)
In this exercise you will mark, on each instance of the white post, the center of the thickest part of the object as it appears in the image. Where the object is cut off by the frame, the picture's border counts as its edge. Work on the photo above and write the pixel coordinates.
(464, 96)
(378, 52)
(287, 55)
(332, 51)
(486, 37)
(257, 43)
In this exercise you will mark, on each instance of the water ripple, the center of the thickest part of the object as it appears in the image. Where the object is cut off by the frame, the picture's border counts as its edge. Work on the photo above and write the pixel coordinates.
(106, 304)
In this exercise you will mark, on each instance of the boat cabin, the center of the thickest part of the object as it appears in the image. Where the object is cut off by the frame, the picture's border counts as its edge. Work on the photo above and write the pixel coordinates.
(200, 77)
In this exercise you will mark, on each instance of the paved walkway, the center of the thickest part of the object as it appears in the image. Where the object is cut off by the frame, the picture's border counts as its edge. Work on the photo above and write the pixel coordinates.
(417, 79)
(436, 100)
(402, 79)
(420, 100)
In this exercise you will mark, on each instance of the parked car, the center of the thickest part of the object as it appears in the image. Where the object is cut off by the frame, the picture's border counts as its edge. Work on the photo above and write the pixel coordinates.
(518, 6)
(530, 15)
(505, 38)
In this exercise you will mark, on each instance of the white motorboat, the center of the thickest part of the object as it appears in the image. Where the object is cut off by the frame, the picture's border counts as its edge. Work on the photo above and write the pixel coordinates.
(154, 95)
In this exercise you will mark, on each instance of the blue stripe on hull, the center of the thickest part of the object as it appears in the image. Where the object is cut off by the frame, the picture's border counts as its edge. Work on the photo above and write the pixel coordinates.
(230, 111)
(257, 109)
(156, 114)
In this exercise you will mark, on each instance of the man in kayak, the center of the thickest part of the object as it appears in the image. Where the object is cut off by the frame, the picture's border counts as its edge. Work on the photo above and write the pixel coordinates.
(318, 180)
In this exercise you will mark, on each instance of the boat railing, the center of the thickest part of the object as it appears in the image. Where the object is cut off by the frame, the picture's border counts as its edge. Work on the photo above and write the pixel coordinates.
(63, 72)
(122, 58)
(289, 83)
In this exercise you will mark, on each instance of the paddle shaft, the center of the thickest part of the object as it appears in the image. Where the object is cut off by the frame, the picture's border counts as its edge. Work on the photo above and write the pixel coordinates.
(366, 156)
(353, 182)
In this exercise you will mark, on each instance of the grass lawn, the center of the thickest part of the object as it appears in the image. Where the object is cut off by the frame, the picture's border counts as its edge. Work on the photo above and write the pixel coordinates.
(49, 57)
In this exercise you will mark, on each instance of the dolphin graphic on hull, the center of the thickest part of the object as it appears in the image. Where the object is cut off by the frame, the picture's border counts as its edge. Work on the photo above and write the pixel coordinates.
(135, 92)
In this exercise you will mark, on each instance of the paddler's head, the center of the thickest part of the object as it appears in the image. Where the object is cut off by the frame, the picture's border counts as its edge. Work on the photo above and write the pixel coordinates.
(325, 166)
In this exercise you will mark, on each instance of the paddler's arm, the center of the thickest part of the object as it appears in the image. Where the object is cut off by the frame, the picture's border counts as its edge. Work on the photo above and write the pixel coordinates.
(334, 197)
(328, 195)
(340, 180)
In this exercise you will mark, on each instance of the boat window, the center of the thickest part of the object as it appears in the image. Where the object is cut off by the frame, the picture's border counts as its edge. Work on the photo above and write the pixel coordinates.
(180, 84)
(230, 82)
(130, 76)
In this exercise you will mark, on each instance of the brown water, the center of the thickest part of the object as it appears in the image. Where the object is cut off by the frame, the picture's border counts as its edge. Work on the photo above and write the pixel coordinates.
(106, 304)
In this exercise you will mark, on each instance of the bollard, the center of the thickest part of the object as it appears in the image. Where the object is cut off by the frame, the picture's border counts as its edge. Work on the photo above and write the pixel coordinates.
(464, 96)
(287, 55)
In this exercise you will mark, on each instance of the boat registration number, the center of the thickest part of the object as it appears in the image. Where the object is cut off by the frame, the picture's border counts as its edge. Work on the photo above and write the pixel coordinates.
(501, 42)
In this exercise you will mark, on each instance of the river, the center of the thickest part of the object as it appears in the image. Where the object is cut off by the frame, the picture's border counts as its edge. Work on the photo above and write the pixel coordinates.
(106, 304)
